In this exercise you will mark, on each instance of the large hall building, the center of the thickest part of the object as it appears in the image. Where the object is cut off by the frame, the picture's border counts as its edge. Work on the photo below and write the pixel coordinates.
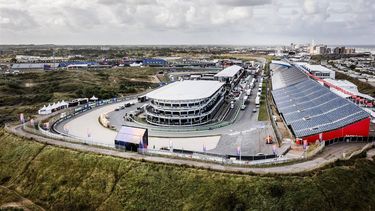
(312, 111)
(185, 103)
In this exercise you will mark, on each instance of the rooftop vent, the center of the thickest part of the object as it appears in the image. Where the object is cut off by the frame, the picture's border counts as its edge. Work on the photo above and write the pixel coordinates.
(306, 118)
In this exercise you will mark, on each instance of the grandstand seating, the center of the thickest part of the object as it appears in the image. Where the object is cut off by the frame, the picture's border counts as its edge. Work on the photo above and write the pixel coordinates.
(286, 76)
(308, 107)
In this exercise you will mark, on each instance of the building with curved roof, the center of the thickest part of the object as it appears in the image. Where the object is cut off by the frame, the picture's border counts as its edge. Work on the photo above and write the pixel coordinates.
(185, 103)
(312, 111)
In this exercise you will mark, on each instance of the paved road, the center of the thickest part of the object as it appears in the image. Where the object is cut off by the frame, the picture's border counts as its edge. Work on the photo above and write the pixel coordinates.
(224, 140)
(329, 155)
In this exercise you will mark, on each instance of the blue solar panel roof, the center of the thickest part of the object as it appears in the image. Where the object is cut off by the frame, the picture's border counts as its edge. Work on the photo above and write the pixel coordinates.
(310, 108)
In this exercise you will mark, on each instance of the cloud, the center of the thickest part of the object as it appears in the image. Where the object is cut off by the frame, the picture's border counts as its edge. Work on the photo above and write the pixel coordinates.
(14, 19)
(187, 21)
(237, 3)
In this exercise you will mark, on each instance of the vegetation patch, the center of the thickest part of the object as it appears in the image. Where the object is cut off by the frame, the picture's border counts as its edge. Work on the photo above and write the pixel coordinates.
(63, 179)
(26, 93)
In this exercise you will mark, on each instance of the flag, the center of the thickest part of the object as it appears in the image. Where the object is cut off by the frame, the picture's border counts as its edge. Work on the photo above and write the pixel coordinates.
(170, 145)
(22, 118)
(305, 144)
(238, 151)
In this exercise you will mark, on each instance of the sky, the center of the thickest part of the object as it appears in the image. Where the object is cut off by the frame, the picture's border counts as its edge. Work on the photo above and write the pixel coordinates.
(174, 22)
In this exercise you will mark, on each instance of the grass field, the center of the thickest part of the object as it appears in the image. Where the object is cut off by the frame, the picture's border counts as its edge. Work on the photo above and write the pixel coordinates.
(63, 179)
(263, 114)
(29, 91)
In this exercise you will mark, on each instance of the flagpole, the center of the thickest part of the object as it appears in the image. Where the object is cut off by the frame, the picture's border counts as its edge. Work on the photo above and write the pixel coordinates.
(241, 147)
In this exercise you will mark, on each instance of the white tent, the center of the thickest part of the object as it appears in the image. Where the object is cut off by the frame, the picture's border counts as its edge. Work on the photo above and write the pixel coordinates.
(52, 108)
(93, 98)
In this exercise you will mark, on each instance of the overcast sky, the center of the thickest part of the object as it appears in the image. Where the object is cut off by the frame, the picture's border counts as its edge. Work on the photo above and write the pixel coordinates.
(238, 22)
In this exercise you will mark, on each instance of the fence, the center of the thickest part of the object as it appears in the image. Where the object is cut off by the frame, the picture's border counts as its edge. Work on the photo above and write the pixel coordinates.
(350, 139)
(220, 159)
(279, 137)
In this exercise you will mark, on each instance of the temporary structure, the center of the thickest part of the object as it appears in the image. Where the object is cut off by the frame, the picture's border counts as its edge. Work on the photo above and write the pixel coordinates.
(52, 108)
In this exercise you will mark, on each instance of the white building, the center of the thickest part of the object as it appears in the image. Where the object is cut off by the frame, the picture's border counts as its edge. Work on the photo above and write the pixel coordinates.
(319, 71)
(188, 103)
(229, 74)
(348, 87)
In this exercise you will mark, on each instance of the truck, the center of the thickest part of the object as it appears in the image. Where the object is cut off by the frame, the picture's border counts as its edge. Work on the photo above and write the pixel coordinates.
(142, 98)
(248, 92)
(253, 81)
(257, 101)
(243, 105)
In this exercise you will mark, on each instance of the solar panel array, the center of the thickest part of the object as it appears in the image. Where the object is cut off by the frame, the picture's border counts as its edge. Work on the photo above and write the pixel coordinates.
(284, 76)
(310, 108)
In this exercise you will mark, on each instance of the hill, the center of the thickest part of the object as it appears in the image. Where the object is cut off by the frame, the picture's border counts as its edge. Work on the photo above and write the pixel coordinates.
(63, 179)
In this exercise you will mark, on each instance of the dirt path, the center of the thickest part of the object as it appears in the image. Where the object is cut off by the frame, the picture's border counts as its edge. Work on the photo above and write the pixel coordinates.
(371, 154)
(20, 203)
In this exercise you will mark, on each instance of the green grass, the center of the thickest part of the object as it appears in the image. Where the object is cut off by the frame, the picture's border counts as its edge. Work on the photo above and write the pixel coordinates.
(362, 86)
(28, 92)
(263, 114)
(63, 179)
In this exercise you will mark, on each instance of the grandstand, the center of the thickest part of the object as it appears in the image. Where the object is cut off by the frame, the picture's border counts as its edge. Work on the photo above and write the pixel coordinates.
(312, 111)
(284, 78)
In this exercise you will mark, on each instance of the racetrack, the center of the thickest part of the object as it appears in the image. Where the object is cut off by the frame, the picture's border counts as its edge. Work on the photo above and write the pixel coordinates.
(88, 128)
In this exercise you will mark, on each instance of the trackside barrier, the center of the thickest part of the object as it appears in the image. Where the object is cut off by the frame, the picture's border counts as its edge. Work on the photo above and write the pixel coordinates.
(224, 159)
(349, 139)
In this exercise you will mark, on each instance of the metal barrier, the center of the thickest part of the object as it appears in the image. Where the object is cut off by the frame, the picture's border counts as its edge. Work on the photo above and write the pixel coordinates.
(350, 139)
(279, 137)
(224, 159)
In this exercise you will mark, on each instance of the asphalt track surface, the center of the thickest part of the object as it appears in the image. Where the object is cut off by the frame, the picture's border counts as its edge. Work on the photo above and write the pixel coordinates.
(329, 155)
(246, 132)
(88, 129)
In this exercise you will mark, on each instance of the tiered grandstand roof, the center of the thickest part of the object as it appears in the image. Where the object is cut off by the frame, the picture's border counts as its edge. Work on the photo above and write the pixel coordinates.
(283, 76)
(308, 107)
